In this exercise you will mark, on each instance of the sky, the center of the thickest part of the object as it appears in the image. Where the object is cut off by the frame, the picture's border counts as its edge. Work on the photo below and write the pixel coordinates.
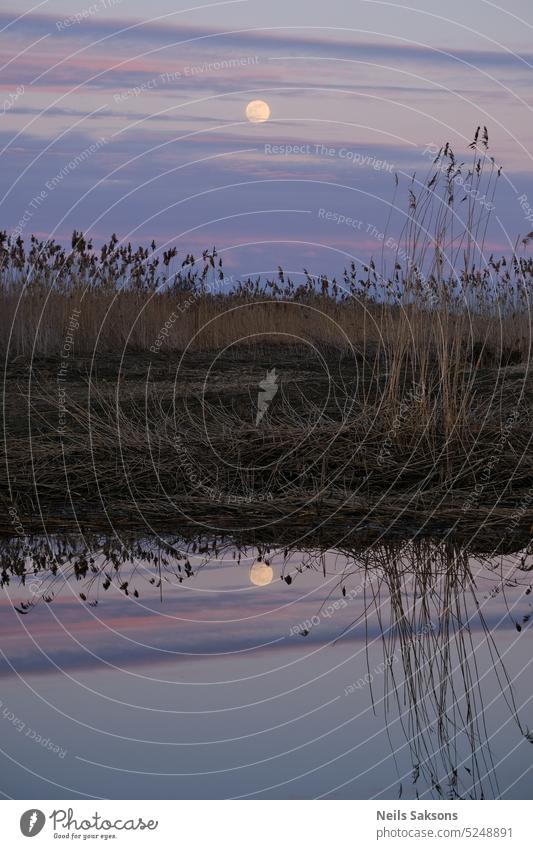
(126, 117)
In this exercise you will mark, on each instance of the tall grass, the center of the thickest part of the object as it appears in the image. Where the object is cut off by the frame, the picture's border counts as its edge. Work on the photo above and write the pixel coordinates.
(428, 343)
(442, 296)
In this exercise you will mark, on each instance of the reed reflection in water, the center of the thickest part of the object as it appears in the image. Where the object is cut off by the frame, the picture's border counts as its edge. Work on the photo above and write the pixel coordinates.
(407, 638)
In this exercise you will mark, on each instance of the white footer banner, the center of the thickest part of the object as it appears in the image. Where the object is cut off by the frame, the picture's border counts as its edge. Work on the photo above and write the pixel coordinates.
(257, 824)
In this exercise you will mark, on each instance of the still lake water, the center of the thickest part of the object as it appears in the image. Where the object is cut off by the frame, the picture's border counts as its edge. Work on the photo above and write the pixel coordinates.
(217, 692)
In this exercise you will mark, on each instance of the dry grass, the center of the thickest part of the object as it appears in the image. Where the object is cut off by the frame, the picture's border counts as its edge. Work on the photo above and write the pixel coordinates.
(153, 446)
(415, 415)
(441, 296)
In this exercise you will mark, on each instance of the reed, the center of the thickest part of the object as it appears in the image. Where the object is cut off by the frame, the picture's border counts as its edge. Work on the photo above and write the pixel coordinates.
(418, 412)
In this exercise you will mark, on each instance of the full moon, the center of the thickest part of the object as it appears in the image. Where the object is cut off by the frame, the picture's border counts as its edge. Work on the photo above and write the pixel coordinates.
(261, 574)
(257, 111)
